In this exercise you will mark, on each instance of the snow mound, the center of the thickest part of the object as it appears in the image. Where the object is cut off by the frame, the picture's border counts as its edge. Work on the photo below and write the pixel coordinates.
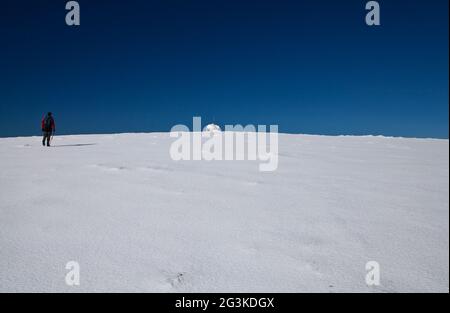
(212, 128)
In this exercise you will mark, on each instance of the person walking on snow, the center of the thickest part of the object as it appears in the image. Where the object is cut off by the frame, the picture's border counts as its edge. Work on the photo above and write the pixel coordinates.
(48, 128)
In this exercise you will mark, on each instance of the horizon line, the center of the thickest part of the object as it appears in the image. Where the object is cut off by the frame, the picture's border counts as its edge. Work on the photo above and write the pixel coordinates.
(281, 133)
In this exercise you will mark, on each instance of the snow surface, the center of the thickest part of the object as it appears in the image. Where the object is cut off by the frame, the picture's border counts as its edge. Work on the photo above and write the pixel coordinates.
(137, 221)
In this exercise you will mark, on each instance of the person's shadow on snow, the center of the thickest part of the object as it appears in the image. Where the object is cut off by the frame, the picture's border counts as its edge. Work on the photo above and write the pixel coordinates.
(75, 145)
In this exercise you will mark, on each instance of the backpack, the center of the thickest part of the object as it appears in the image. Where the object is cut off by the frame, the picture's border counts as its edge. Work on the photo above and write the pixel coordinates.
(48, 123)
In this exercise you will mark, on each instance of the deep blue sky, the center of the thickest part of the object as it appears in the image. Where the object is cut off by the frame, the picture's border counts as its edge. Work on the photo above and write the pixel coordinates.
(310, 66)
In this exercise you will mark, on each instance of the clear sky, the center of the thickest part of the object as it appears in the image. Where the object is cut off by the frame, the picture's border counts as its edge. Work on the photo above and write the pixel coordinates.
(310, 66)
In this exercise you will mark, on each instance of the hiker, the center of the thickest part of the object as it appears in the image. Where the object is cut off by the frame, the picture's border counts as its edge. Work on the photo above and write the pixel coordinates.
(48, 128)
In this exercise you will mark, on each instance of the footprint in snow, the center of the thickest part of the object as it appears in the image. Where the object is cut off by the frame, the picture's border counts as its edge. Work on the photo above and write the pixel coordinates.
(109, 168)
(155, 168)
(173, 282)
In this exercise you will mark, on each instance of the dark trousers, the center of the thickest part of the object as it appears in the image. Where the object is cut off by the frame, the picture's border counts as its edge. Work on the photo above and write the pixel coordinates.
(47, 136)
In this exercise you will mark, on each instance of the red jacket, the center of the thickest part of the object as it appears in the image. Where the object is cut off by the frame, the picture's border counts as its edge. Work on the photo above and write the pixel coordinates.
(52, 124)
